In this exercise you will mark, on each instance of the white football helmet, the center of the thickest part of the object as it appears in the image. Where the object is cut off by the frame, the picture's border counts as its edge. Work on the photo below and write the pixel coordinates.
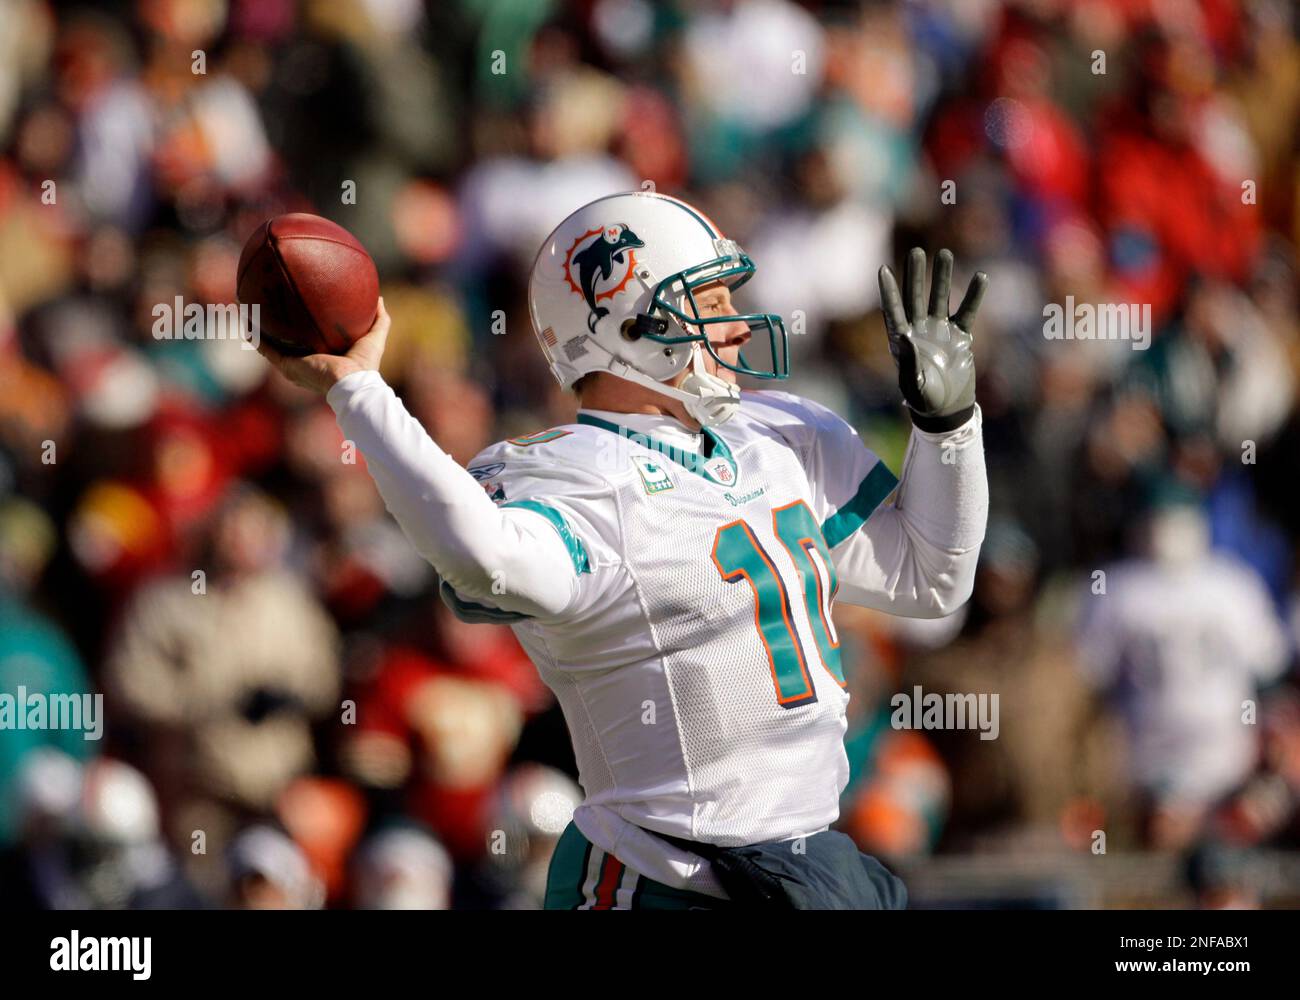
(612, 290)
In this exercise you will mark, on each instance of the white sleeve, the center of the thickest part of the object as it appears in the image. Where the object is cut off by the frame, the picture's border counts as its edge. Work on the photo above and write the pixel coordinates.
(514, 558)
(916, 556)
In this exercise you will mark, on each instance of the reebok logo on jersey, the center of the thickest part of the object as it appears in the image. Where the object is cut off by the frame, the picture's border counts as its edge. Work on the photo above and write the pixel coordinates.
(655, 476)
(496, 491)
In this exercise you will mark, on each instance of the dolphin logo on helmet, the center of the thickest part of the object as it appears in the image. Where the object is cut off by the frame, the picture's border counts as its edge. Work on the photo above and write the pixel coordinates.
(595, 263)
(621, 298)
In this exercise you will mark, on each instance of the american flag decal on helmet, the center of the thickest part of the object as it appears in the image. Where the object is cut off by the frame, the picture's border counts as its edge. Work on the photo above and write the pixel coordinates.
(548, 335)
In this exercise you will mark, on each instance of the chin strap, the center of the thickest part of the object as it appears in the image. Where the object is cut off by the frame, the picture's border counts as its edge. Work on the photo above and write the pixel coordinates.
(710, 399)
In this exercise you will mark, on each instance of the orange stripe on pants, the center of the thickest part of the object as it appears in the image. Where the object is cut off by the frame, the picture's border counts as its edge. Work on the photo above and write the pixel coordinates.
(611, 873)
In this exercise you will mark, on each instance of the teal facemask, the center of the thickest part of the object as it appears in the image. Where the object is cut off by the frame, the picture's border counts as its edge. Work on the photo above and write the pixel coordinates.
(765, 355)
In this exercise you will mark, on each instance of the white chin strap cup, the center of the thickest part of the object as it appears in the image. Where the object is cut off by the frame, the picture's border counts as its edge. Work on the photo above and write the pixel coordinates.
(710, 399)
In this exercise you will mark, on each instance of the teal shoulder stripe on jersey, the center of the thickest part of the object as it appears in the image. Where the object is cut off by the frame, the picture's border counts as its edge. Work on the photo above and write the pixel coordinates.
(476, 614)
(878, 484)
(577, 551)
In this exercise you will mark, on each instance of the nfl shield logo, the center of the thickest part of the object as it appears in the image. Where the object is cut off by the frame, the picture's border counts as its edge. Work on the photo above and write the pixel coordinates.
(720, 471)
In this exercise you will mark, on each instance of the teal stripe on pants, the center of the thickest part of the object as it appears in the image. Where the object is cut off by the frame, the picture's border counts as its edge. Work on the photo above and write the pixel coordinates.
(568, 873)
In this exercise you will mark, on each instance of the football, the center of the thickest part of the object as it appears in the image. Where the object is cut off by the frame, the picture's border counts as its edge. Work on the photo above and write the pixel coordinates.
(315, 288)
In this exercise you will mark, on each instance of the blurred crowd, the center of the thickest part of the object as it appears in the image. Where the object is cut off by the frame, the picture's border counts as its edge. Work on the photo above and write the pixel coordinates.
(291, 716)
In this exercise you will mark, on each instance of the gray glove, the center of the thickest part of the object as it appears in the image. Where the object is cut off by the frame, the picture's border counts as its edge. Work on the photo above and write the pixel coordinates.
(936, 369)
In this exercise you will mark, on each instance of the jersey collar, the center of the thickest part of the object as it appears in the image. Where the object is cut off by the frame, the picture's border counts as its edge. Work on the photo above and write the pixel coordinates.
(716, 464)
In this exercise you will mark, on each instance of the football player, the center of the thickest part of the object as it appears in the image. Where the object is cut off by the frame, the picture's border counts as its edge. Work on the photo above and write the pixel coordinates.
(670, 560)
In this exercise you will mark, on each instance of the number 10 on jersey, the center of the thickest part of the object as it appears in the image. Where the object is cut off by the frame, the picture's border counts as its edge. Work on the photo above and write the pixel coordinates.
(739, 555)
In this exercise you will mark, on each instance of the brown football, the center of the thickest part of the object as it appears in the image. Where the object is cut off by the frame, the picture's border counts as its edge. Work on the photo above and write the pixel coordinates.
(315, 287)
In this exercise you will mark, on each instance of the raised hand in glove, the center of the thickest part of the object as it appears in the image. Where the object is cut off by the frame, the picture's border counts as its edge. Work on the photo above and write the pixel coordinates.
(936, 369)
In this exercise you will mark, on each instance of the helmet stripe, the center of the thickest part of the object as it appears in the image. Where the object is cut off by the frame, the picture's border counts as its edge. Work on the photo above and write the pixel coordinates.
(703, 219)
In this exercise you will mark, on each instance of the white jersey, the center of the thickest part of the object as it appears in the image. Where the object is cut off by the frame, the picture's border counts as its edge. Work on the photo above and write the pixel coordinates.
(1184, 647)
(697, 665)
(675, 592)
